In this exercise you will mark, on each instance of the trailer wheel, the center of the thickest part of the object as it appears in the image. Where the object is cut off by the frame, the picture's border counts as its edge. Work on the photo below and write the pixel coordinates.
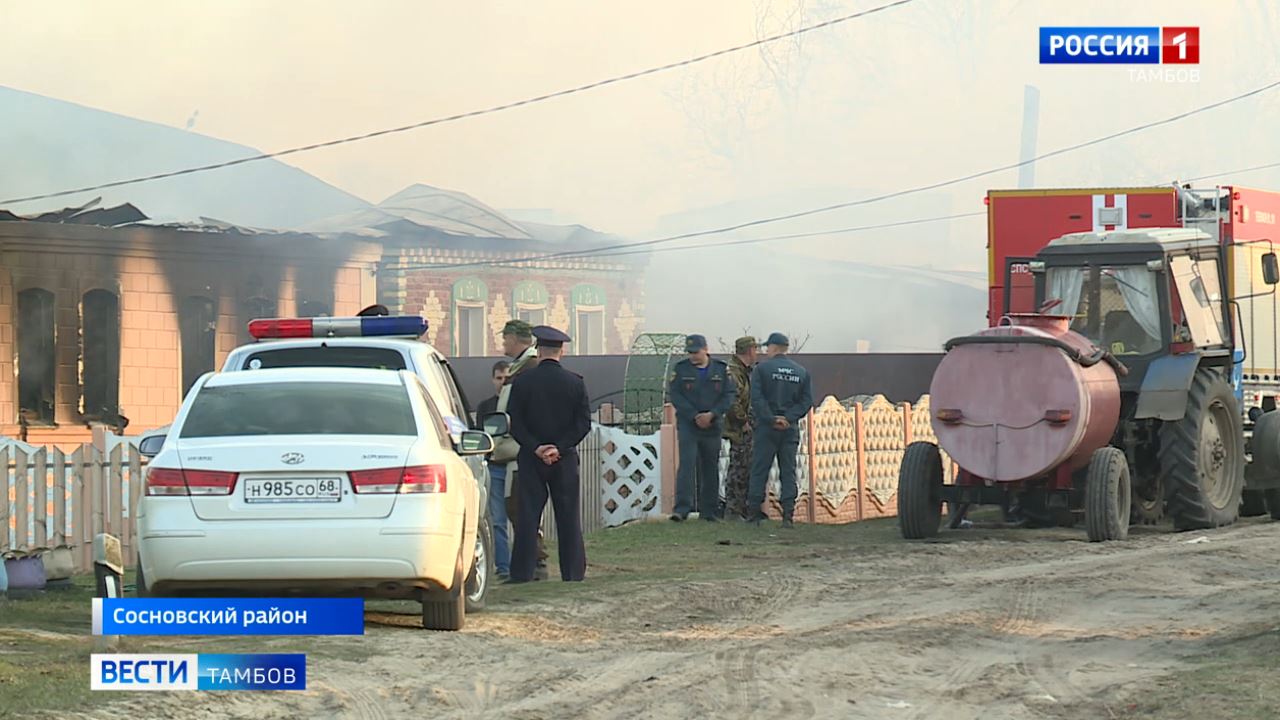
(920, 491)
(1147, 504)
(1108, 496)
(1202, 456)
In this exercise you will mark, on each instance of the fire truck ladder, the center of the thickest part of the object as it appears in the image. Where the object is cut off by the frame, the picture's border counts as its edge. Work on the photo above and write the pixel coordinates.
(1202, 210)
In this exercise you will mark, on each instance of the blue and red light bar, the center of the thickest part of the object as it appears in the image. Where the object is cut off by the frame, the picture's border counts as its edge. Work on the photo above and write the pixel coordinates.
(376, 326)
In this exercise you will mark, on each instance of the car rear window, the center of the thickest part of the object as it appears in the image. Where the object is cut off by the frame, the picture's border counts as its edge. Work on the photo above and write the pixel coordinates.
(326, 356)
(300, 408)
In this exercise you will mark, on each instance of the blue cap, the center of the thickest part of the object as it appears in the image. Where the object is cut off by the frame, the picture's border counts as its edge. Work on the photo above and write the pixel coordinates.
(777, 339)
(694, 343)
(549, 337)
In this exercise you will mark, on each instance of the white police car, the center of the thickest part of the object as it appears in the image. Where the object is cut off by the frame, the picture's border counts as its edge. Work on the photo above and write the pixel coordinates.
(382, 342)
(313, 480)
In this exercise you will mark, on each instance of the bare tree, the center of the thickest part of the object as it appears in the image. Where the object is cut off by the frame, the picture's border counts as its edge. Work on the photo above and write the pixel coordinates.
(798, 341)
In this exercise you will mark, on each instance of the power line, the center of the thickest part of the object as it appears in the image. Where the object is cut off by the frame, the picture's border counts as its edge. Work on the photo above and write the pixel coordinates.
(1239, 171)
(854, 203)
(752, 241)
(475, 113)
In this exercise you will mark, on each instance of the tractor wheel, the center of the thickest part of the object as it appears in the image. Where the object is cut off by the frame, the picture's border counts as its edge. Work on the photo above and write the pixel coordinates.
(1108, 496)
(1253, 503)
(1202, 456)
(920, 491)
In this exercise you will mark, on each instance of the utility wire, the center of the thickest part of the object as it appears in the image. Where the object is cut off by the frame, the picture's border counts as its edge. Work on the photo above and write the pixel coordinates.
(1235, 172)
(474, 113)
(595, 252)
(752, 241)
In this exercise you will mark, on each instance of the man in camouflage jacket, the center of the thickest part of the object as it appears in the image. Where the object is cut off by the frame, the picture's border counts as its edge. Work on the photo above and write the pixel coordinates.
(737, 429)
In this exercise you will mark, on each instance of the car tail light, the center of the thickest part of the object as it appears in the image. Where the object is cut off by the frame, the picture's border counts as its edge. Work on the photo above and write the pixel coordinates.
(950, 416)
(1058, 417)
(171, 481)
(415, 479)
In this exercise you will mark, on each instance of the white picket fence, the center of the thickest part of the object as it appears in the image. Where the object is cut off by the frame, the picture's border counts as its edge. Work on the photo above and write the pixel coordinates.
(55, 499)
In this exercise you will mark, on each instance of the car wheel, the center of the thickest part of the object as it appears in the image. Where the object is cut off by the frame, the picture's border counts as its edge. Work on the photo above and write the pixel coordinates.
(482, 569)
(140, 579)
(446, 609)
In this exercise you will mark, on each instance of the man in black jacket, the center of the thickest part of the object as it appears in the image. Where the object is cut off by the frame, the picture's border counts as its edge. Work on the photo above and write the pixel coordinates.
(781, 394)
(550, 415)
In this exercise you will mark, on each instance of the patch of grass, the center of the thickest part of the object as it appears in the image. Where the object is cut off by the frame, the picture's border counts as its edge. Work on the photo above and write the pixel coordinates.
(1235, 680)
(45, 641)
(650, 552)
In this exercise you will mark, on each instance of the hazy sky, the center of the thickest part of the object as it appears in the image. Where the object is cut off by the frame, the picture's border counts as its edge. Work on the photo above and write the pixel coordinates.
(901, 98)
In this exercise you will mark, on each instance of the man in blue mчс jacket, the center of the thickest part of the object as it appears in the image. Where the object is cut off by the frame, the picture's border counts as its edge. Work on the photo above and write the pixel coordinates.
(702, 392)
(781, 394)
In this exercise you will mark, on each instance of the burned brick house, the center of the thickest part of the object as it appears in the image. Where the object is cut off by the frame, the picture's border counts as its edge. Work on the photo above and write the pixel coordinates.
(452, 259)
(104, 313)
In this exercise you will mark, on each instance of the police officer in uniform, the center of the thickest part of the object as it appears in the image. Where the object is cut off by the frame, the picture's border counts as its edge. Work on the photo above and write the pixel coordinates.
(781, 394)
(702, 392)
(550, 415)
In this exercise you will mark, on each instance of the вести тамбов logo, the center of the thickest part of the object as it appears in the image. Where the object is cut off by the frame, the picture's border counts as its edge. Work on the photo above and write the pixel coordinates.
(1169, 54)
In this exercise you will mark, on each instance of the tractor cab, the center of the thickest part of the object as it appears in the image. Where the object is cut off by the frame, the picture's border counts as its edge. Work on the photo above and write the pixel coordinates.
(1143, 295)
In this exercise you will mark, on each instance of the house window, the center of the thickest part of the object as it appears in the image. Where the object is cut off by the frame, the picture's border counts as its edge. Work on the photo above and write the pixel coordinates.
(588, 320)
(470, 296)
(530, 302)
(198, 323)
(533, 317)
(254, 308)
(310, 307)
(100, 355)
(36, 358)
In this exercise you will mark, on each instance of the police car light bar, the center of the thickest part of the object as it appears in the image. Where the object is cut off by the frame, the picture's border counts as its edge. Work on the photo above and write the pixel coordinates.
(383, 325)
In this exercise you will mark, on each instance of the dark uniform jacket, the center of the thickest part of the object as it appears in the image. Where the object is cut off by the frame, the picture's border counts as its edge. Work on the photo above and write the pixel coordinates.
(739, 416)
(691, 394)
(549, 406)
(780, 388)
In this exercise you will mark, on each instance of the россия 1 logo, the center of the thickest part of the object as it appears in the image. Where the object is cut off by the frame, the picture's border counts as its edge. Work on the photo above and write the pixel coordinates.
(1120, 45)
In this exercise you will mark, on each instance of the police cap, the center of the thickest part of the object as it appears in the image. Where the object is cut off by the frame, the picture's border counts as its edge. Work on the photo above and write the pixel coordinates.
(777, 339)
(550, 337)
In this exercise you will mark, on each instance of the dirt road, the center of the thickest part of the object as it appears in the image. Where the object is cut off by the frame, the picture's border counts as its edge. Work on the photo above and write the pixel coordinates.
(846, 623)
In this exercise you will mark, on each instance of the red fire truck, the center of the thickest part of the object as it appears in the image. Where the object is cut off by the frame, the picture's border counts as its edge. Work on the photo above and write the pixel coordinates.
(1020, 223)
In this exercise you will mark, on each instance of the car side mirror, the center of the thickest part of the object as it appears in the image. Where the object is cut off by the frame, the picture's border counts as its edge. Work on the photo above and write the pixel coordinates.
(150, 446)
(496, 424)
(1270, 269)
(474, 442)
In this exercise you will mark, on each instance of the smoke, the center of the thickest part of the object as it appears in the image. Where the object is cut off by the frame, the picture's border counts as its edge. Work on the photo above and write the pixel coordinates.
(921, 93)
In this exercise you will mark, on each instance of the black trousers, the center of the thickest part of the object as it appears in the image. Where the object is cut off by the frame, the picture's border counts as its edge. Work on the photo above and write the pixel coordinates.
(700, 453)
(559, 483)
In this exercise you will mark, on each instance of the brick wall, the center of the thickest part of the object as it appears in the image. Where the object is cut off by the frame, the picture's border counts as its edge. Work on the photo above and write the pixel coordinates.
(151, 272)
(429, 292)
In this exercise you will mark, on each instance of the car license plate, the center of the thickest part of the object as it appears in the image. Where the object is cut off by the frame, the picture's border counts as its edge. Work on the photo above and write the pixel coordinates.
(262, 490)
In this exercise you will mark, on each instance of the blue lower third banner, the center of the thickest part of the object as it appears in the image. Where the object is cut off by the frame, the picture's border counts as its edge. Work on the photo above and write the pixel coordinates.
(228, 616)
(198, 672)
